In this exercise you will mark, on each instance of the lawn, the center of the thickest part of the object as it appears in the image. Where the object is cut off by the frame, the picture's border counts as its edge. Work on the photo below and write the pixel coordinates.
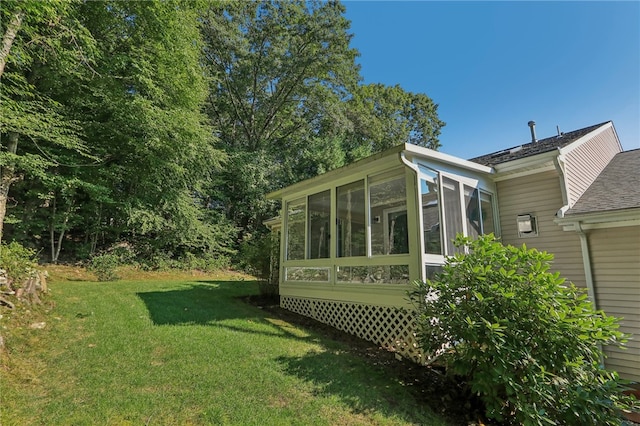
(185, 351)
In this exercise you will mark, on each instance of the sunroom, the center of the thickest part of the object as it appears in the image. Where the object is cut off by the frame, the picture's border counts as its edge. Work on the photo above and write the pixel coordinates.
(354, 239)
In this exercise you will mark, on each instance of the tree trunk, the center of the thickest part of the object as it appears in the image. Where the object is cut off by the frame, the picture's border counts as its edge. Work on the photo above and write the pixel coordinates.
(9, 36)
(94, 235)
(52, 232)
(55, 248)
(7, 177)
(60, 239)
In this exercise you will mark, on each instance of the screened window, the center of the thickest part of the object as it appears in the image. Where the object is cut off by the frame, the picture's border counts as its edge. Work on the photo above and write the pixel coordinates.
(307, 274)
(474, 216)
(319, 211)
(451, 207)
(381, 274)
(388, 212)
(351, 220)
(452, 212)
(486, 210)
(432, 271)
(296, 217)
(479, 210)
(431, 216)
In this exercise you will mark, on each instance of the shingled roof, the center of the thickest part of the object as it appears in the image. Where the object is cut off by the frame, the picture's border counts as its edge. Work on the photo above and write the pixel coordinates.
(534, 148)
(616, 188)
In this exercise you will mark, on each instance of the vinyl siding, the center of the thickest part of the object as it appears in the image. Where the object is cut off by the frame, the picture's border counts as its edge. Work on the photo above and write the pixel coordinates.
(615, 259)
(585, 162)
(539, 194)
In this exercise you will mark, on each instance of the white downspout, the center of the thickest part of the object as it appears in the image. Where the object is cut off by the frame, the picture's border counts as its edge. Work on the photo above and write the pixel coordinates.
(584, 243)
(560, 162)
(588, 275)
(409, 164)
(586, 261)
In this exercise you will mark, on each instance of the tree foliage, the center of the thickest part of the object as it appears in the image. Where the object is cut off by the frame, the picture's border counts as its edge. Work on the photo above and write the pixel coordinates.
(529, 345)
(162, 125)
(279, 71)
(286, 103)
(41, 42)
(136, 99)
(385, 116)
(149, 97)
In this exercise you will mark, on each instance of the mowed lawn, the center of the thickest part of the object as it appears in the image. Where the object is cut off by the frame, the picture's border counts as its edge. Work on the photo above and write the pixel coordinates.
(184, 352)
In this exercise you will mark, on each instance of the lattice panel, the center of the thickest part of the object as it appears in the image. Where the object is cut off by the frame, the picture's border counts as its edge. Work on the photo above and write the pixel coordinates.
(388, 327)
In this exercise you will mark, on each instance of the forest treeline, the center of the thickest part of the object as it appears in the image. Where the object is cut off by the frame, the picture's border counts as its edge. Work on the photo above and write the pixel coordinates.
(160, 126)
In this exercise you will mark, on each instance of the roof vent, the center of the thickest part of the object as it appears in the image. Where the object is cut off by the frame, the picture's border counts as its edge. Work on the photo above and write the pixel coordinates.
(516, 149)
(532, 126)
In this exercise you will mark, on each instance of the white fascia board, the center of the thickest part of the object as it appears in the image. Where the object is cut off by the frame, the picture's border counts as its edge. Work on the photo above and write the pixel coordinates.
(527, 165)
(382, 157)
(392, 154)
(575, 144)
(545, 161)
(446, 158)
(546, 167)
(597, 220)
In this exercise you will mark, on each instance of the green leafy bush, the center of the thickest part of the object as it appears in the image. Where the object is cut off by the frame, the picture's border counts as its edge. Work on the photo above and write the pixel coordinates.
(17, 261)
(187, 262)
(527, 344)
(201, 262)
(104, 266)
(258, 256)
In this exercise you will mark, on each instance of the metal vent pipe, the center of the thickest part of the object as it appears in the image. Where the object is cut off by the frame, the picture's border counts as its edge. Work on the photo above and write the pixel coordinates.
(532, 126)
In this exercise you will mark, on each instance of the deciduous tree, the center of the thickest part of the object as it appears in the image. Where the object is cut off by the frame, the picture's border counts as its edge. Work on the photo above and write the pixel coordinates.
(279, 72)
(41, 40)
(385, 116)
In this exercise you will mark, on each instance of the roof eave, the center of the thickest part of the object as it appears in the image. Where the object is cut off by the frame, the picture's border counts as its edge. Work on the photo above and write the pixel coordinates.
(395, 151)
(544, 160)
(599, 219)
(532, 163)
(333, 174)
(585, 138)
(446, 158)
(272, 222)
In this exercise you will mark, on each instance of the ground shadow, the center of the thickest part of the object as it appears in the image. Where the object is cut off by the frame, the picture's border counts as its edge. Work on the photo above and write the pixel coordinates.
(347, 367)
(369, 388)
(197, 304)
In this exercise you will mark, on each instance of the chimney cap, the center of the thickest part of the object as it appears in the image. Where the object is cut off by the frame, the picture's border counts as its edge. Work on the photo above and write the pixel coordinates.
(531, 123)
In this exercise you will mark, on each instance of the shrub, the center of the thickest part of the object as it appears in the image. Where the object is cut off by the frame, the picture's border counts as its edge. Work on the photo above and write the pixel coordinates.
(202, 262)
(18, 262)
(206, 262)
(104, 266)
(527, 344)
(258, 256)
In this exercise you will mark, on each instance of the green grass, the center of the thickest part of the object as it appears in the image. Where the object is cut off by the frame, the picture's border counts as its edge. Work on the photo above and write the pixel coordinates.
(184, 352)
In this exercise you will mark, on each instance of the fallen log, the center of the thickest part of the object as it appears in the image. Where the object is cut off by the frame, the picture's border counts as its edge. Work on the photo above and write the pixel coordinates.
(5, 302)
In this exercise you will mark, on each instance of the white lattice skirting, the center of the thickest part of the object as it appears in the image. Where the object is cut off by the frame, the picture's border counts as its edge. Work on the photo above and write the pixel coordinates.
(388, 327)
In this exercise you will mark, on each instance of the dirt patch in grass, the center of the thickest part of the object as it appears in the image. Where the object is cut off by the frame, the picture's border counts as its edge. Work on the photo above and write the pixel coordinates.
(429, 385)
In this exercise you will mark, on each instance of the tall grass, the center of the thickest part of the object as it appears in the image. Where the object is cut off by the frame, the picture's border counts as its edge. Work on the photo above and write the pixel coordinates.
(184, 352)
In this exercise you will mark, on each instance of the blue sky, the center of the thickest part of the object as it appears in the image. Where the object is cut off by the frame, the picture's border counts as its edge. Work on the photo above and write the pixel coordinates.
(493, 66)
